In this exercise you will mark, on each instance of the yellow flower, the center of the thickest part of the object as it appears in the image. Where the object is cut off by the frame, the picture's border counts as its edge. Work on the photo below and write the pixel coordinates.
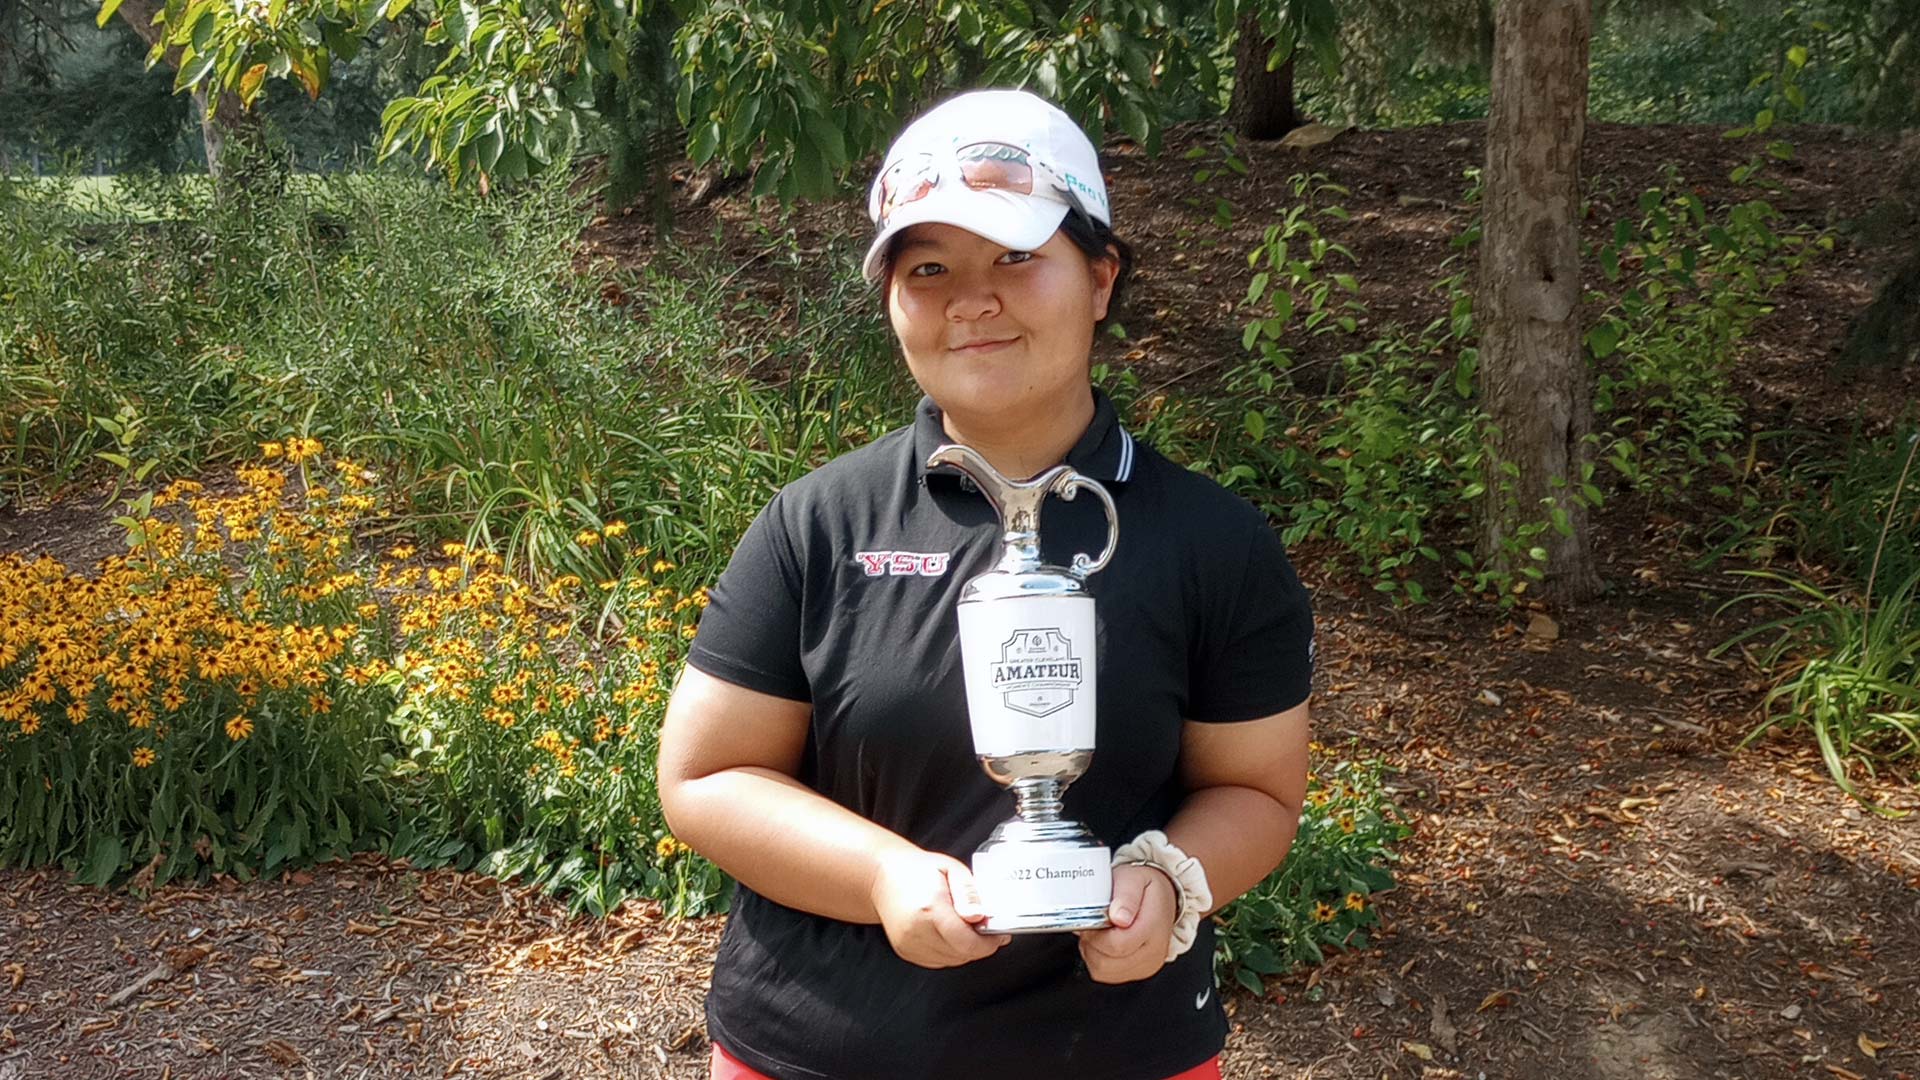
(1347, 824)
(239, 728)
(1356, 902)
(586, 538)
(270, 450)
(661, 566)
(1323, 911)
(614, 528)
(668, 847)
(142, 757)
(320, 703)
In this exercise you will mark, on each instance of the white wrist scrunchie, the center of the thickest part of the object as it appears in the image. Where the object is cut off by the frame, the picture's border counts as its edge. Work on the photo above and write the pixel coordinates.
(1192, 896)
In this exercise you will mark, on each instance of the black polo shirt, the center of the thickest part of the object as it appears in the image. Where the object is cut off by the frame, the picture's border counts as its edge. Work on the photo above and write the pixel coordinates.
(842, 593)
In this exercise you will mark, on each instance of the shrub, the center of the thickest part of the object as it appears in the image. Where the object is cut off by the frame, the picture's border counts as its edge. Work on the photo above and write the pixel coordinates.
(1322, 896)
(1845, 669)
(246, 690)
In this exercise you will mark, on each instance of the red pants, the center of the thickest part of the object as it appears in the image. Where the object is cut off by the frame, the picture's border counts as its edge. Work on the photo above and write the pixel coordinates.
(728, 1067)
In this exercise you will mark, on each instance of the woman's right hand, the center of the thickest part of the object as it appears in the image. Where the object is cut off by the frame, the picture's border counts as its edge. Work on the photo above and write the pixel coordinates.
(929, 908)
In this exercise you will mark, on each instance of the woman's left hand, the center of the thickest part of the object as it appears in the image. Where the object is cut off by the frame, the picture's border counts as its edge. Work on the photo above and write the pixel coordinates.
(1142, 912)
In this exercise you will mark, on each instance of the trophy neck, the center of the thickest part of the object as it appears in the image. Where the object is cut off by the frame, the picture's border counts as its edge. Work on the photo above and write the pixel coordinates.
(1037, 799)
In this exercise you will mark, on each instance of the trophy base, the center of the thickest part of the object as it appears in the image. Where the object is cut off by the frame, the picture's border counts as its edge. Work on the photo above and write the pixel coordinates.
(1090, 918)
(1040, 877)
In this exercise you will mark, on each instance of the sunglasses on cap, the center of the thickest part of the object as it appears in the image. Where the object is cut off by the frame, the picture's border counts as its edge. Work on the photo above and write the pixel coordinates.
(982, 166)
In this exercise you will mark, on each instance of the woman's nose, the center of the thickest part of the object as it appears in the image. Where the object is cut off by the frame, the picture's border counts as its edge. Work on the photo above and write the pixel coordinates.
(973, 300)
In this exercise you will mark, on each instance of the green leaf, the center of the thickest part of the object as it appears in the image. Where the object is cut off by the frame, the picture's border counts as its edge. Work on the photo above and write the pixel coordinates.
(493, 139)
(1463, 372)
(1255, 423)
(1249, 980)
(103, 860)
(706, 139)
(106, 12)
(1603, 338)
(1133, 120)
(194, 70)
(1797, 56)
(825, 133)
(1258, 287)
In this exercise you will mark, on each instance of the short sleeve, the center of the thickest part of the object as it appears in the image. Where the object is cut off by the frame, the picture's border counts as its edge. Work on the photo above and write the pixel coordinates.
(750, 632)
(1254, 654)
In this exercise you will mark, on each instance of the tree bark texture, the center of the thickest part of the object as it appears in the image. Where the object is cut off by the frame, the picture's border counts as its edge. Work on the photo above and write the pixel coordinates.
(1262, 103)
(1887, 333)
(1533, 373)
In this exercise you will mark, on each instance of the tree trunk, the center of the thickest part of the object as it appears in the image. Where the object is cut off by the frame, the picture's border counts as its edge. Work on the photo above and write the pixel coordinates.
(1533, 371)
(1887, 333)
(1262, 104)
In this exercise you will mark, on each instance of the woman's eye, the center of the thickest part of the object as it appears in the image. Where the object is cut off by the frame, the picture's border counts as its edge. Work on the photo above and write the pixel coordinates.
(1016, 256)
(926, 269)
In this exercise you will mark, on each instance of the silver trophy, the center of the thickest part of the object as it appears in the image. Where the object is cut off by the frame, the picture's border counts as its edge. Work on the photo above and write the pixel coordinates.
(1027, 653)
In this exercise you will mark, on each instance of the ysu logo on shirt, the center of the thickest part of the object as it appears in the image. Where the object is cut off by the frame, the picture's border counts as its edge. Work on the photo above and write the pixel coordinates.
(903, 563)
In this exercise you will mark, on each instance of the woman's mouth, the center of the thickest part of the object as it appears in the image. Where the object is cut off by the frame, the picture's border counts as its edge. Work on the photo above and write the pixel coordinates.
(978, 347)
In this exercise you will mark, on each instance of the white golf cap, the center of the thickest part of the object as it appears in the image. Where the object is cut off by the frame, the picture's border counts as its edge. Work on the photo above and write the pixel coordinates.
(1062, 157)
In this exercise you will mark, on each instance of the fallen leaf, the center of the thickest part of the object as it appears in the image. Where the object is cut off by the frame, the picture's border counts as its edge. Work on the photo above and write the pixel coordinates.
(1869, 1047)
(1309, 136)
(1419, 1050)
(16, 974)
(1844, 1074)
(1541, 627)
(1444, 1032)
(281, 1051)
(1499, 999)
(187, 956)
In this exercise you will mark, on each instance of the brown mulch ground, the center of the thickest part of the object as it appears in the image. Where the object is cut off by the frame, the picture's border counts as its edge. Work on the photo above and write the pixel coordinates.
(1598, 885)
(1596, 888)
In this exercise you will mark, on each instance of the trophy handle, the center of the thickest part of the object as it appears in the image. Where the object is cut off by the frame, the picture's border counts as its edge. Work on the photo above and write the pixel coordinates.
(1069, 486)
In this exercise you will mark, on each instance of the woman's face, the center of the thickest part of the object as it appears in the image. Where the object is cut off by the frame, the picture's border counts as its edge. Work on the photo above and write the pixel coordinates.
(994, 334)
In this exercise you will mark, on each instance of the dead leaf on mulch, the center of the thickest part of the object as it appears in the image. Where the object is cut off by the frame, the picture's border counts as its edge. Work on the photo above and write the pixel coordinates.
(1444, 1032)
(1499, 999)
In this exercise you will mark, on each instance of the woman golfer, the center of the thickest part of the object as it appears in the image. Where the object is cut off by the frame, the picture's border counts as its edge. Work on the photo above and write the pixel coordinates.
(818, 748)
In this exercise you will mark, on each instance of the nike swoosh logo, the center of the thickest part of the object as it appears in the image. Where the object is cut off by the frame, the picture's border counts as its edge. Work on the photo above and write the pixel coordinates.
(1200, 999)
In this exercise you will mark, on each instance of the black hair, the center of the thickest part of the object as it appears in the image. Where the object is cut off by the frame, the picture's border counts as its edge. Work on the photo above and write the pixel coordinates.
(1094, 238)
